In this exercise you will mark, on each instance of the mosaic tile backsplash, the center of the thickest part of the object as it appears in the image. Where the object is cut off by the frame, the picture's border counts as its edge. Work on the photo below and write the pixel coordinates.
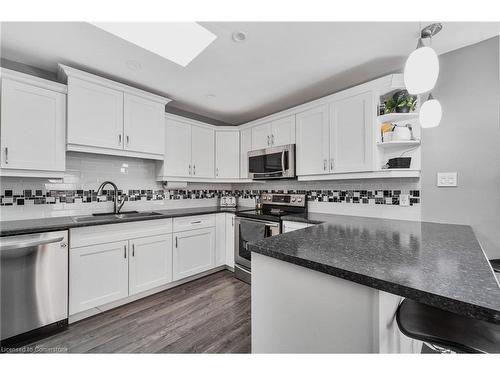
(36, 197)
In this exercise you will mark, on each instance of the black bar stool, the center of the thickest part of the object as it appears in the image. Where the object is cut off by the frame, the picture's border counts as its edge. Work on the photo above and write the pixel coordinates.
(495, 264)
(445, 331)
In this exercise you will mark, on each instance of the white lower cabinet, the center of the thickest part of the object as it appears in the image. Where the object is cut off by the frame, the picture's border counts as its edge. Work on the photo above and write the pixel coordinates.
(98, 275)
(230, 240)
(150, 263)
(194, 252)
(220, 239)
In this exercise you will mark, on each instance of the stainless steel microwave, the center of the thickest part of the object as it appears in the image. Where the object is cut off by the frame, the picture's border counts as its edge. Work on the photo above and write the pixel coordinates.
(272, 162)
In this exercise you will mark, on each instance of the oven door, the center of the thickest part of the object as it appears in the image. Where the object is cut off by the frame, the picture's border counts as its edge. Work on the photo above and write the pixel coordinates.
(242, 255)
(273, 162)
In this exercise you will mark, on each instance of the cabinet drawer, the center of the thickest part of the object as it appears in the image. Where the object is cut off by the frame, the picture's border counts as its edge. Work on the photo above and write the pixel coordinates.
(193, 222)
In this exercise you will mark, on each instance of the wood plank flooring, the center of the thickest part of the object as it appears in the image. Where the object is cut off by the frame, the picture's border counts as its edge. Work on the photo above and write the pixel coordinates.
(208, 315)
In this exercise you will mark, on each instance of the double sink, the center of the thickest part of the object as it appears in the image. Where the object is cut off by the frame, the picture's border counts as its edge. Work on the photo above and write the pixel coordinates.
(112, 216)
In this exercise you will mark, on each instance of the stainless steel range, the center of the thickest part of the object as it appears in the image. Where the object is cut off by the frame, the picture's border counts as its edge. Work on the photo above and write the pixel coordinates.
(262, 223)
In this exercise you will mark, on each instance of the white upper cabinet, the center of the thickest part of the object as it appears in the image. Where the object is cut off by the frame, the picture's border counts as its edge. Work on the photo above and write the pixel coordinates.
(189, 150)
(275, 133)
(202, 152)
(313, 148)
(351, 136)
(108, 117)
(261, 136)
(283, 131)
(32, 133)
(245, 146)
(177, 162)
(143, 125)
(95, 115)
(227, 155)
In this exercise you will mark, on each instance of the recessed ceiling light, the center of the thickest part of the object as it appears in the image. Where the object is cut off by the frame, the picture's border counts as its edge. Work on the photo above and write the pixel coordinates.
(211, 96)
(133, 64)
(239, 36)
(179, 42)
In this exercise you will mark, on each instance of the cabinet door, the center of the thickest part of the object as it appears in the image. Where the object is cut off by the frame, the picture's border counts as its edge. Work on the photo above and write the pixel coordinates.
(220, 239)
(98, 274)
(143, 125)
(261, 136)
(312, 146)
(150, 262)
(177, 149)
(351, 138)
(245, 146)
(283, 131)
(32, 127)
(95, 115)
(227, 154)
(202, 152)
(194, 252)
(230, 240)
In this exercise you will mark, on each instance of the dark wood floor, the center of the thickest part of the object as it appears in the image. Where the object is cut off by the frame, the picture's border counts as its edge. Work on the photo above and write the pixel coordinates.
(208, 315)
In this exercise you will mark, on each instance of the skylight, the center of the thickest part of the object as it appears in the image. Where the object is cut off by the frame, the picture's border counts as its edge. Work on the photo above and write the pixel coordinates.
(179, 42)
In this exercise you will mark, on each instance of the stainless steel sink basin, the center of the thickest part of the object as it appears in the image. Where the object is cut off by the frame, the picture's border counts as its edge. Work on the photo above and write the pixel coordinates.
(111, 216)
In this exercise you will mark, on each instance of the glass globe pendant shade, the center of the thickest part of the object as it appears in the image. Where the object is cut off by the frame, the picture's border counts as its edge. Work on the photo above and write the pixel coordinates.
(430, 113)
(421, 70)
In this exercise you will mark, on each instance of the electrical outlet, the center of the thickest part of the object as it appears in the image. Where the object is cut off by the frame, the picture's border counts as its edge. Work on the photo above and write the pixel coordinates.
(404, 200)
(447, 179)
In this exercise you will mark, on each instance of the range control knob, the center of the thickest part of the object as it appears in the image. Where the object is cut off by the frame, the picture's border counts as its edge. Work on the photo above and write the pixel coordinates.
(299, 200)
(293, 199)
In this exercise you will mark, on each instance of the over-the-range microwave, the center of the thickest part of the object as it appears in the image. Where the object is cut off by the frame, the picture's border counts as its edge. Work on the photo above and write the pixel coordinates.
(272, 163)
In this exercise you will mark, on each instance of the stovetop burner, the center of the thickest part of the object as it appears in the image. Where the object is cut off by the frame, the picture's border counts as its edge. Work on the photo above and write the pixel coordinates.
(276, 205)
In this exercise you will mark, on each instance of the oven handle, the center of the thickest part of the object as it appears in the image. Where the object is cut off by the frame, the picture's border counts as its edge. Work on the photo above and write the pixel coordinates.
(268, 223)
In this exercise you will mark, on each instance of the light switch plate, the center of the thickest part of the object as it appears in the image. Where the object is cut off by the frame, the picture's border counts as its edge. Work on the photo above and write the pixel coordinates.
(447, 179)
(404, 200)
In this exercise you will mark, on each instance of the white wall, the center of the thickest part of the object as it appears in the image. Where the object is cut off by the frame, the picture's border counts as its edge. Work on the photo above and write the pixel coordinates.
(468, 142)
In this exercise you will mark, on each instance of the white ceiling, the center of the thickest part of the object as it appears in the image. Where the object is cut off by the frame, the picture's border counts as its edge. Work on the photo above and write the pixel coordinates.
(281, 64)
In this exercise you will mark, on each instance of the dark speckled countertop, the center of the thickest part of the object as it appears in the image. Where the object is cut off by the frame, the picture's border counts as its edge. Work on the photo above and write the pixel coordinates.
(14, 227)
(442, 265)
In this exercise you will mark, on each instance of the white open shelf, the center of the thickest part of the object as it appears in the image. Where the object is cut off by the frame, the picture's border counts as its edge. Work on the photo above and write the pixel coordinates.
(414, 142)
(396, 117)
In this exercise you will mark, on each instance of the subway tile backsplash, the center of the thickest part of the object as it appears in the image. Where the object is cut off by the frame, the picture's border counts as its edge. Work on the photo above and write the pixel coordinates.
(136, 179)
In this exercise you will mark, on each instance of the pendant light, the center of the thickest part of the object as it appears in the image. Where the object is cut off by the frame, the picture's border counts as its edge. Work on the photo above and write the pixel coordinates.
(422, 66)
(430, 113)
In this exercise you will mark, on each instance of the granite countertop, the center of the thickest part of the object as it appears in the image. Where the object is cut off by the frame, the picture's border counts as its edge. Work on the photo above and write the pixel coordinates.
(14, 227)
(442, 265)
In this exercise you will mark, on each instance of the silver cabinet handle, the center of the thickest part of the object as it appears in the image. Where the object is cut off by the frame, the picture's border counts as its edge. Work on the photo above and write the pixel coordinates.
(125, 251)
(216, 172)
(176, 242)
(6, 155)
(194, 168)
(272, 139)
(189, 168)
(133, 249)
(119, 139)
(127, 139)
(233, 221)
(331, 164)
(324, 164)
(268, 140)
(196, 222)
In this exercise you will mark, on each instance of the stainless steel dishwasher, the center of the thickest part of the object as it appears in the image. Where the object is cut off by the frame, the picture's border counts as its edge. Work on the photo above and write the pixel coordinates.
(34, 286)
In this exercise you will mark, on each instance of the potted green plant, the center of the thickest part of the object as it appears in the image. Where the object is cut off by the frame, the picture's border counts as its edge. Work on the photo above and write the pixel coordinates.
(401, 102)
